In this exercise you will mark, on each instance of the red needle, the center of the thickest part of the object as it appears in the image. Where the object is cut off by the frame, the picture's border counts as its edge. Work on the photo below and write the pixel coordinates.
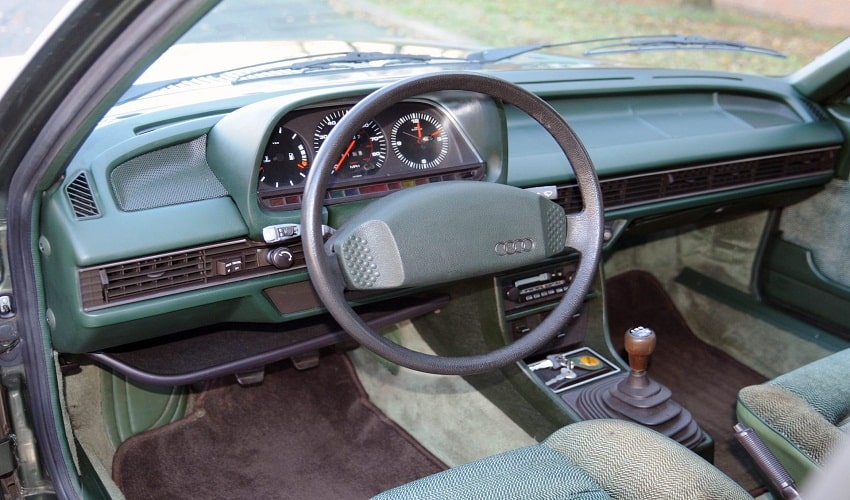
(418, 132)
(436, 133)
(344, 155)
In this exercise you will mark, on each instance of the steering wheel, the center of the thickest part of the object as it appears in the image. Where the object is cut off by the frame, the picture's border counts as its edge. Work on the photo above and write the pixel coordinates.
(445, 231)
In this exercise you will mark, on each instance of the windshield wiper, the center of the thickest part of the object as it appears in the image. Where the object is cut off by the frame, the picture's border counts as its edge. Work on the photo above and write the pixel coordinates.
(357, 58)
(621, 45)
(338, 60)
(283, 67)
(679, 42)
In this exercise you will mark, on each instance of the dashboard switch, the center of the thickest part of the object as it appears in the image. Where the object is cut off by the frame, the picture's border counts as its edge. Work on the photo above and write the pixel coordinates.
(284, 232)
(281, 232)
(280, 257)
(227, 266)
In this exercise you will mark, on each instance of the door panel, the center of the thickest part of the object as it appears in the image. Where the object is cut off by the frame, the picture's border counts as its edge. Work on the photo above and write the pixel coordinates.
(805, 266)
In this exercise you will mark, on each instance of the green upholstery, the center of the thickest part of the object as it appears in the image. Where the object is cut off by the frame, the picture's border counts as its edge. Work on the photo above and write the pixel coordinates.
(595, 459)
(802, 414)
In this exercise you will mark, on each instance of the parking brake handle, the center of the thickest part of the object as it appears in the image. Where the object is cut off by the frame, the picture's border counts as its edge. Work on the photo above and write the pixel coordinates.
(767, 462)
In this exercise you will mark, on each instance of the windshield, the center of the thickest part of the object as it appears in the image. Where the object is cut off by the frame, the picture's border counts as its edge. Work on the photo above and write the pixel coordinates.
(793, 33)
(301, 27)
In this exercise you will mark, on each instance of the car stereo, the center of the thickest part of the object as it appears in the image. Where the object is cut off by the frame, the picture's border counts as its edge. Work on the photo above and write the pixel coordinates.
(525, 290)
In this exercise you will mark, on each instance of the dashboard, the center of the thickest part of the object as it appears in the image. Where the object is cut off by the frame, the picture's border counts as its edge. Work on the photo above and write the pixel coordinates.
(157, 226)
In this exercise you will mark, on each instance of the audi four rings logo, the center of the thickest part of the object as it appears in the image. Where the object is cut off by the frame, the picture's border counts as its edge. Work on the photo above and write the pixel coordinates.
(513, 247)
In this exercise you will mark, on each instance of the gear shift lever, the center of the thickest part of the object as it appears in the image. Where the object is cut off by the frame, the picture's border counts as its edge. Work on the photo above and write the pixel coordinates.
(639, 398)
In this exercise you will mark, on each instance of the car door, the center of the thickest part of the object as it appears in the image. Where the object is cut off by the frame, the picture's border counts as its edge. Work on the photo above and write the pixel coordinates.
(804, 267)
(94, 51)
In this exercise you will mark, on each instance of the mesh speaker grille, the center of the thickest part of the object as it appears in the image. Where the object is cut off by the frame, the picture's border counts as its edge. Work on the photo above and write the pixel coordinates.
(169, 176)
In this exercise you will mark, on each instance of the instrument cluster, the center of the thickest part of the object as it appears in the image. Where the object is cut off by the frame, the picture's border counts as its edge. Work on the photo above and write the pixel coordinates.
(412, 143)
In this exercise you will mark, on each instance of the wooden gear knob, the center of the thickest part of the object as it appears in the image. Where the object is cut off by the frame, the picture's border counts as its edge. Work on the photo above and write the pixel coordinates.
(640, 344)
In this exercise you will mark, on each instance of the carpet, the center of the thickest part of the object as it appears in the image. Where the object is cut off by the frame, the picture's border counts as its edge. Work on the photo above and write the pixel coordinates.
(299, 434)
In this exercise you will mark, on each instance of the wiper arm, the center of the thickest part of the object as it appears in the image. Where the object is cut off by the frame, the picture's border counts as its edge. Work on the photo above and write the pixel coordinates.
(339, 60)
(357, 58)
(294, 65)
(679, 42)
(501, 53)
(622, 44)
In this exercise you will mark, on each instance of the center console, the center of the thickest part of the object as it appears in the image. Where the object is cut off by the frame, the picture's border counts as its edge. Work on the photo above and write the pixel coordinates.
(576, 365)
(528, 296)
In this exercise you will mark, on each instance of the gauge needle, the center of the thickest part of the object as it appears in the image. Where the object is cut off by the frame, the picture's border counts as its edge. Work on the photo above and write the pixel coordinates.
(345, 154)
(418, 131)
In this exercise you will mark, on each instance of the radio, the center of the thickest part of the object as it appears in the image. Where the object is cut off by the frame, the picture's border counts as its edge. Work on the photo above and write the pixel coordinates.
(525, 290)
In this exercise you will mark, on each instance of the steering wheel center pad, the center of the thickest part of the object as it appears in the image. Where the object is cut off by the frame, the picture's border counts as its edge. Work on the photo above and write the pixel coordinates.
(447, 231)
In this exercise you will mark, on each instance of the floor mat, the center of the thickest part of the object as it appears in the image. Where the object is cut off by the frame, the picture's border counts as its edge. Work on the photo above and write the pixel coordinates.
(299, 434)
(704, 379)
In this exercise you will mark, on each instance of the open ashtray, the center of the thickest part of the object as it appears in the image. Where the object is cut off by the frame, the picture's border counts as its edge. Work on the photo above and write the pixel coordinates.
(563, 371)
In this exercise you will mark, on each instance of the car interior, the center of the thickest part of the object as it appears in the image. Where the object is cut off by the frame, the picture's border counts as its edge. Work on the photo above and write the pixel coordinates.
(242, 294)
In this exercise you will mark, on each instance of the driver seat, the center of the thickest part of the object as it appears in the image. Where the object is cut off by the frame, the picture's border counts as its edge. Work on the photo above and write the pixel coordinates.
(593, 459)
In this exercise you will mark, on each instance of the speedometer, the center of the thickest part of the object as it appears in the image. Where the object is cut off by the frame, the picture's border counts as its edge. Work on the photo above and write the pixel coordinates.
(364, 154)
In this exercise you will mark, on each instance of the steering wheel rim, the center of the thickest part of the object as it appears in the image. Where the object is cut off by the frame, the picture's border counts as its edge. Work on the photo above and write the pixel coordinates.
(584, 230)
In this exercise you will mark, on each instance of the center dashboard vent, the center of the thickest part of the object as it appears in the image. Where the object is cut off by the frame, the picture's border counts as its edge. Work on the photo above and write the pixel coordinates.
(169, 273)
(631, 190)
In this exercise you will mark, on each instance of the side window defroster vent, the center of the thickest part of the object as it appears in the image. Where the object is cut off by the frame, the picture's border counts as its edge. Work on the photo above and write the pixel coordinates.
(81, 197)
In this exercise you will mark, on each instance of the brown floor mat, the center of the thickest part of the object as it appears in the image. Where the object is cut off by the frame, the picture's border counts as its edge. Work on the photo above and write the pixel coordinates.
(704, 379)
(300, 434)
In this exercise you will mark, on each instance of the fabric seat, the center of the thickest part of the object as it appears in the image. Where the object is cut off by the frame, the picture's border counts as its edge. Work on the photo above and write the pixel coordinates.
(594, 459)
(801, 415)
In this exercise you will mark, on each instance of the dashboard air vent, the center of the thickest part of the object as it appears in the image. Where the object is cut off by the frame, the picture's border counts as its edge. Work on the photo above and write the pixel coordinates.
(175, 272)
(81, 197)
(817, 112)
(631, 190)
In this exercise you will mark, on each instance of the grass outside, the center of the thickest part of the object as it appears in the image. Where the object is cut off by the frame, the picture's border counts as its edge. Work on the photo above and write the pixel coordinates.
(508, 22)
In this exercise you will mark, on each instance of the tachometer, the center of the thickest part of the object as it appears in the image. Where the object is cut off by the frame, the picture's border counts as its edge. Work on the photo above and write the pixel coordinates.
(364, 155)
(419, 140)
(285, 161)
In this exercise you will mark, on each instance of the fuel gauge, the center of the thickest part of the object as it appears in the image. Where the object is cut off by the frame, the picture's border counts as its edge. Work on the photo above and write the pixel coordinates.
(285, 161)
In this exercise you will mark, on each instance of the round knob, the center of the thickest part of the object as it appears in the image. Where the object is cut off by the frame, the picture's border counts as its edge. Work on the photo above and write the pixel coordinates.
(639, 343)
(280, 257)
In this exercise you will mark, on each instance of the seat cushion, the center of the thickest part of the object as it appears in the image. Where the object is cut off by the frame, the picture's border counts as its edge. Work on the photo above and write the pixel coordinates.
(632, 462)
(594, 459)
(530, 472)
(800, 415)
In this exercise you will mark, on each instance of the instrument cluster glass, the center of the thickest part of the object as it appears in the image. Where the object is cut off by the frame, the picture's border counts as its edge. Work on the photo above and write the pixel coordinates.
(408, 144)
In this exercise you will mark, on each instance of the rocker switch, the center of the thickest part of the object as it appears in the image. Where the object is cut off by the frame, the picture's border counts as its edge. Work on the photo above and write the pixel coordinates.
(228, 266)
